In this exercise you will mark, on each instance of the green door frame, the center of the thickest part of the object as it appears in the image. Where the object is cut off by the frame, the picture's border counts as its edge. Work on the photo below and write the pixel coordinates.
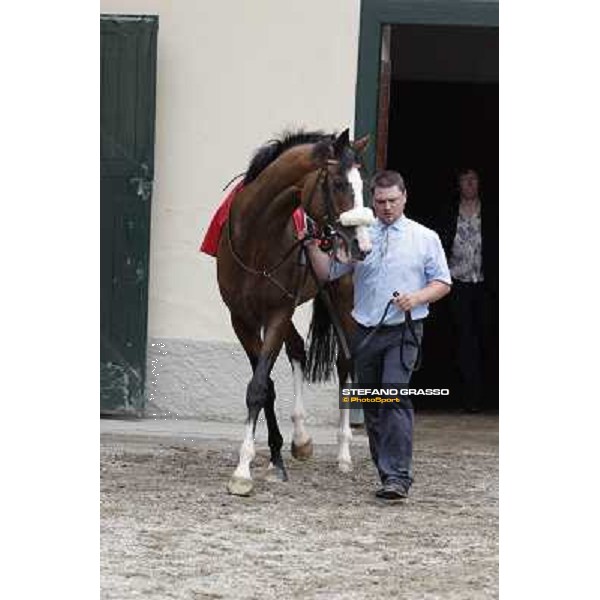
(377, 13)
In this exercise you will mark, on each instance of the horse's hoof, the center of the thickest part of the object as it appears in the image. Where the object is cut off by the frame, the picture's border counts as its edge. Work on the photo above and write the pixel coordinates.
(304, 451)
(239, 486)
(345, 466)
(275, 474)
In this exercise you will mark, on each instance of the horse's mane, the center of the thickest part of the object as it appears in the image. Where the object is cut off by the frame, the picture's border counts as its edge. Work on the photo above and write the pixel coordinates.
(273, 149)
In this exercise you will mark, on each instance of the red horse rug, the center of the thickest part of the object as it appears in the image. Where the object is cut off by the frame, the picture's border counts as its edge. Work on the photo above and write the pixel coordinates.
(210, 243)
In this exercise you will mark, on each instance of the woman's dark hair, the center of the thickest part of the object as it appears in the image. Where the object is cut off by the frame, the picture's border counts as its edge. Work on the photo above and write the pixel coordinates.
(464, 171)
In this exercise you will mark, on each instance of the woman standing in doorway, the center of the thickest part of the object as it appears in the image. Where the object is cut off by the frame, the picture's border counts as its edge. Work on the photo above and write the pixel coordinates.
(462, 233)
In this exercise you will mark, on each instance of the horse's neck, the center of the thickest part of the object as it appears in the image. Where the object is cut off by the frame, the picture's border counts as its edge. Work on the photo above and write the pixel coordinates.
(252, 228)
(275, 192)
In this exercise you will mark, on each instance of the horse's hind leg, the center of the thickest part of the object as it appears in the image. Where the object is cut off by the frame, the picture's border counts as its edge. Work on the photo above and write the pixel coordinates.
(302, 447)
(344, 295)
(344, 370)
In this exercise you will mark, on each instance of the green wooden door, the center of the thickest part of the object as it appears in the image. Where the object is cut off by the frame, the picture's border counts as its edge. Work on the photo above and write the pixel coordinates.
(127, 107)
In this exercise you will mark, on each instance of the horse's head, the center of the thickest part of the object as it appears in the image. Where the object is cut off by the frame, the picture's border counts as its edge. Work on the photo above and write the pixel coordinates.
(333, 196)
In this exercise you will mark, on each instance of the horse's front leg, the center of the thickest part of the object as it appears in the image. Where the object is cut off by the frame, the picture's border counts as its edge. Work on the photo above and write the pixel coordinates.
(261, 394)
(279, 329)
(248, 334)
(241, 483)
(276, 465)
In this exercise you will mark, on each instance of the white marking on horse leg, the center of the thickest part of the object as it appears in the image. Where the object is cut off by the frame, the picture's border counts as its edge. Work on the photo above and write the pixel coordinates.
(247, 454)
(345, 437)
(299, 435)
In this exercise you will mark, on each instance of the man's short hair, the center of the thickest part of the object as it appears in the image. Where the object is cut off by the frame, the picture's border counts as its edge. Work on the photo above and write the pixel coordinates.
(386, 179)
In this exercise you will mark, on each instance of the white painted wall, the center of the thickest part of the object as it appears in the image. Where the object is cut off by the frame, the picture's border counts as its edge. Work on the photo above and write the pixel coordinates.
(231, 75)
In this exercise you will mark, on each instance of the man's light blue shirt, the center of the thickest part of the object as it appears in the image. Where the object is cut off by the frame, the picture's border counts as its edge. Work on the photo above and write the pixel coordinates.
(406, 256)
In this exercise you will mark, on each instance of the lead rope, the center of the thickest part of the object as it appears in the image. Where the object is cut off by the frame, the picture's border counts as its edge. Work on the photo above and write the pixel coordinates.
(408, 324)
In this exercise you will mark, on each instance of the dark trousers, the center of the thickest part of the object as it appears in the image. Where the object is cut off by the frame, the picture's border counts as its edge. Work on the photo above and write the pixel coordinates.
(389, 427)
(467, 304)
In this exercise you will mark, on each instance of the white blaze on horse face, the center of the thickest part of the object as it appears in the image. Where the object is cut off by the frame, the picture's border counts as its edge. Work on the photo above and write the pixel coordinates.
(357, 186)
(359, 216)
(299, 435)
(344, 437)
(246, 454)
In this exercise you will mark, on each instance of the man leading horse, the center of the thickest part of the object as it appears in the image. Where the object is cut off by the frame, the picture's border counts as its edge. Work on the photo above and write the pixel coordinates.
(406, 269)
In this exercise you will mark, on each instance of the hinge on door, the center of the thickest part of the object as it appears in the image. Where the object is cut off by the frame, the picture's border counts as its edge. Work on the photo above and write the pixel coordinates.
(140, 272)
(143, 183)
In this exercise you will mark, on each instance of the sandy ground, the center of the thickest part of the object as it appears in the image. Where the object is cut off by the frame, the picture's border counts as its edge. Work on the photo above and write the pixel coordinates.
(170, 530)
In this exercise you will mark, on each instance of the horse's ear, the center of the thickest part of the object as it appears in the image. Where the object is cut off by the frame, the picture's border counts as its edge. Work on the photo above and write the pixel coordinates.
(361, 144)
(341, 142)
(322, 151)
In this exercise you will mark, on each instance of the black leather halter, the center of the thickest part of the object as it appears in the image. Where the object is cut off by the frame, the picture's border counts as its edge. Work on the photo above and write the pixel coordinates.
(330, 231)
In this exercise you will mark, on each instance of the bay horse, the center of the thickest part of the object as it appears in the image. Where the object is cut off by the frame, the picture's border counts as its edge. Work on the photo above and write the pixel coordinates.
(263, 273)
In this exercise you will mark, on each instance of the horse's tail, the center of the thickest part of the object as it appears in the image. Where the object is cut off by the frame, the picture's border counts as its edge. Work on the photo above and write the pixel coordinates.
(322, 344)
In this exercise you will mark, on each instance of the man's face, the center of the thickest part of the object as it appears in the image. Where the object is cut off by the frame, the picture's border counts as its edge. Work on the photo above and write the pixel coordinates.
(388, 203)
(469, 185)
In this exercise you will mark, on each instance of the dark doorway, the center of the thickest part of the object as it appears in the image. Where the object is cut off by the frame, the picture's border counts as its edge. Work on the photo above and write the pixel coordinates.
(443, 115)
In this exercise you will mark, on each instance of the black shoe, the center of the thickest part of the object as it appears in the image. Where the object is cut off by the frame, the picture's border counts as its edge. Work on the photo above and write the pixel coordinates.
(392, 491)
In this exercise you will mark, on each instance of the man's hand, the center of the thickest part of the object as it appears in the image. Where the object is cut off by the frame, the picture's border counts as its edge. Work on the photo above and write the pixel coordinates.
(407, 301)
(430, 293)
